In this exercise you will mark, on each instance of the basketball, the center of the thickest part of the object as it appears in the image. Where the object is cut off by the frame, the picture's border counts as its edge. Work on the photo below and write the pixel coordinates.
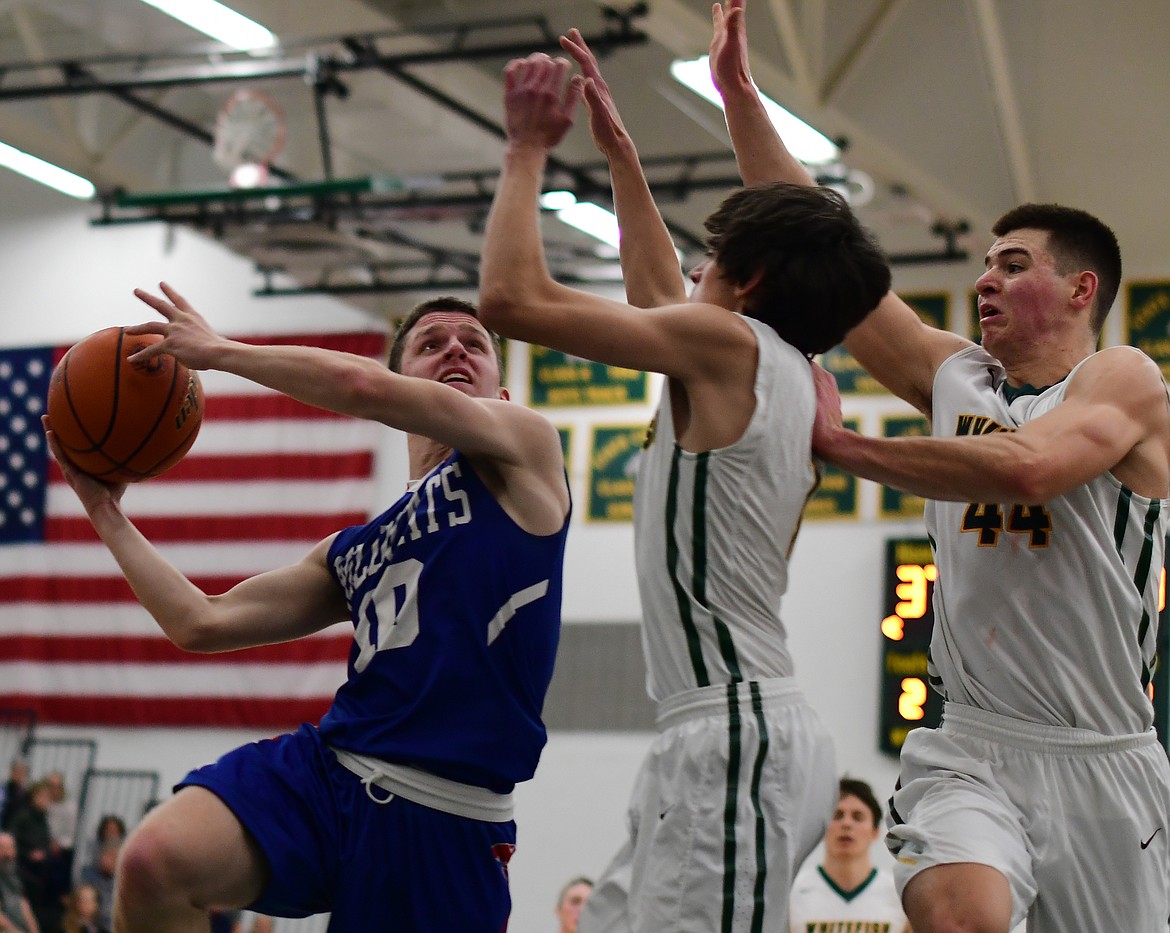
(122, 422)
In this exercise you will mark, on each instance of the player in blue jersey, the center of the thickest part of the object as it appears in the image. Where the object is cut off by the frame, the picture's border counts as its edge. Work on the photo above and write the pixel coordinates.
(396, 811)
(740, 782)
(1045, 792)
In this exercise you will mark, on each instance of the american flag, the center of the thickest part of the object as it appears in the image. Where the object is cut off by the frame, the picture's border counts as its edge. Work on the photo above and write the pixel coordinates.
(267, 479)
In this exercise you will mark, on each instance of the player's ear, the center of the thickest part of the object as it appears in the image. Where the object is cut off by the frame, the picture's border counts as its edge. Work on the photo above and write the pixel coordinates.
(742, 291)
(504, 394)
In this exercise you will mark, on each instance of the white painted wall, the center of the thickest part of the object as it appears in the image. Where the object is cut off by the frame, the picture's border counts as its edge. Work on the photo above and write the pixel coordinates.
(63, 279)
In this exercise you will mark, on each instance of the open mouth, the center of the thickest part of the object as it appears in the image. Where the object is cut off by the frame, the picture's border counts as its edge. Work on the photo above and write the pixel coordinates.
(462, 378)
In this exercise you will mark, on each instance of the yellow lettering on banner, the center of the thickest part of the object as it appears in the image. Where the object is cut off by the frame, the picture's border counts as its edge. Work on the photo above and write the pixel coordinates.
(1149, 309)
(614, 488)
(565, 397)
(835, 482)
(606, 395)
(605, 455)
(565, 372)
(619, 511)
(1159, 347)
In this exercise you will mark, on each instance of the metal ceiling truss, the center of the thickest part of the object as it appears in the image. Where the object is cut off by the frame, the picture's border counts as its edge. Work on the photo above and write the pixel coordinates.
(369, 209)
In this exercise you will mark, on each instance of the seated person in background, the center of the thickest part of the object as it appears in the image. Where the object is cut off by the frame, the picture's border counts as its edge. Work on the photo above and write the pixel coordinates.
(846, 892)
(16, 914)
(570, 901)
(100, 876)
(15, 792)
(83, 911)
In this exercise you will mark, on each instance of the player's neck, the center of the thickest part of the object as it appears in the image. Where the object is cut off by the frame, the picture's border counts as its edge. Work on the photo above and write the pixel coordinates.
(424, 455)
(848, 873)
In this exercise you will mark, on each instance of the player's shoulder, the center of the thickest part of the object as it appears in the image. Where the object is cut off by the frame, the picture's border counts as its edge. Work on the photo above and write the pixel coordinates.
(1122, 371)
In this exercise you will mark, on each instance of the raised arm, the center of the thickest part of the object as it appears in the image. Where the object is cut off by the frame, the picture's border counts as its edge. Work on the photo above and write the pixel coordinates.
(354, 385)
(265, 609)
(892, 344)
(518, 297)
(760, 153)
(650, 265)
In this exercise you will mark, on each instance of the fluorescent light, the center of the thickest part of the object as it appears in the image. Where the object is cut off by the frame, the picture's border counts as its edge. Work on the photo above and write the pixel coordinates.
(46, 173)
(218, 21)
(584, 215)
(809, 145)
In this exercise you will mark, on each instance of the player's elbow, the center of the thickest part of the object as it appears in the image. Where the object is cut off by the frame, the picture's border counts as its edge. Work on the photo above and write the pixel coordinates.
(192, 634)
(505, 308)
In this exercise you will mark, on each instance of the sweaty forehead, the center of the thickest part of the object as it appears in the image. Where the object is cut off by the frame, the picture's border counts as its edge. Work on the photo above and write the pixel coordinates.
(437, 322)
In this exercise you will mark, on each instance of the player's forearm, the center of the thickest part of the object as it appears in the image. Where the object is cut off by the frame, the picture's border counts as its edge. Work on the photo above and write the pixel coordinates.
(760, 153)
(177, 605)
(650, 265)
(340, 382)
(514, 277)
(990, 468)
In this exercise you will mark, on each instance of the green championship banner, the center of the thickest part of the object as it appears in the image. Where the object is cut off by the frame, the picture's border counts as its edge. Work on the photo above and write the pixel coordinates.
(836, 496)
(557, 380)
(933, 308)
(613, 462)
(893, 503)
(566, 448)
(1147, 321)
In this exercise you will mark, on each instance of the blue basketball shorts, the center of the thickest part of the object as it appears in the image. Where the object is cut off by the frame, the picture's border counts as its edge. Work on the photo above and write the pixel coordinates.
(397, 867)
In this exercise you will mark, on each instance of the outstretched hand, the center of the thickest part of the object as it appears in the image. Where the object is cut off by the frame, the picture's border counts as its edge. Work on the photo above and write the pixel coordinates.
(729, 48)
(186, 335)
(828, 425)
(92, 492)
(538, 106)
(605, 123)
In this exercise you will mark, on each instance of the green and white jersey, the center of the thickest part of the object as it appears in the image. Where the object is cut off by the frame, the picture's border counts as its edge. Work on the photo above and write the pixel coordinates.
(713, 532)
(1045, 612)
(817, 905)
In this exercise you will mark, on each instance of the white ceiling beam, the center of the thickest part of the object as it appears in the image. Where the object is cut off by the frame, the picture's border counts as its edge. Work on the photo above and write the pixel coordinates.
(860, 49)
(687, 34)
(30, 38)
(1005, 100)
(790, 40)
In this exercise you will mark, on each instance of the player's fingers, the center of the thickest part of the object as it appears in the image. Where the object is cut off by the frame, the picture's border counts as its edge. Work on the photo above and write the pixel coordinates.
(161, 305)
(574, 93)
(176, 299)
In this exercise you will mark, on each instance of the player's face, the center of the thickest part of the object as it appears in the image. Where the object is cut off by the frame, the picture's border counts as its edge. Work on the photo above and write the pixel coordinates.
(569, 910)
(1021, 295)
(851, 831)
(453, 348)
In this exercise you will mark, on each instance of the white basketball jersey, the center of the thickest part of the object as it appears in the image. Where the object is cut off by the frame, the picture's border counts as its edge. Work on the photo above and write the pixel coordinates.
(713, 532)
(817, 905)
(1045, 612)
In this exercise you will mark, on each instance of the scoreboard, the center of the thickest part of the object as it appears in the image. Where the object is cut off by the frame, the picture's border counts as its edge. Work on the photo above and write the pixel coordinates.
(906, 700)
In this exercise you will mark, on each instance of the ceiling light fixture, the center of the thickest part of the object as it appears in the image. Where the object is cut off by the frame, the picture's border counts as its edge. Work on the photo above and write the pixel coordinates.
(218, 21)
(584, 215)
(809, 145)
(46, 173)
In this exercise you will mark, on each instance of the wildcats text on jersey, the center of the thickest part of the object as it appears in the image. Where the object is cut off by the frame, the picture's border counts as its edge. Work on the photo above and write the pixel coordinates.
(419, 516)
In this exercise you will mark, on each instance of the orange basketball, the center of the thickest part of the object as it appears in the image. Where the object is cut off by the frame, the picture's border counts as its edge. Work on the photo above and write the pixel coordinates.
(119, 421)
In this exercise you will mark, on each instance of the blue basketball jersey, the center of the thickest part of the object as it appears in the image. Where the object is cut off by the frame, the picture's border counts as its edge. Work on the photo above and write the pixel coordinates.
(456, 613)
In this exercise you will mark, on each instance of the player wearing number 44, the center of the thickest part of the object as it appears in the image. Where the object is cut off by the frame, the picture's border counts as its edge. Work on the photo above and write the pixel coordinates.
(399, 804)
(1044, 792)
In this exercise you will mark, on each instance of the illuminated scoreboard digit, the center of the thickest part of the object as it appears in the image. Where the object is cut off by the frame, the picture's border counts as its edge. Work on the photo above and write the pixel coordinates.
(908, 619)
(906, 700)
